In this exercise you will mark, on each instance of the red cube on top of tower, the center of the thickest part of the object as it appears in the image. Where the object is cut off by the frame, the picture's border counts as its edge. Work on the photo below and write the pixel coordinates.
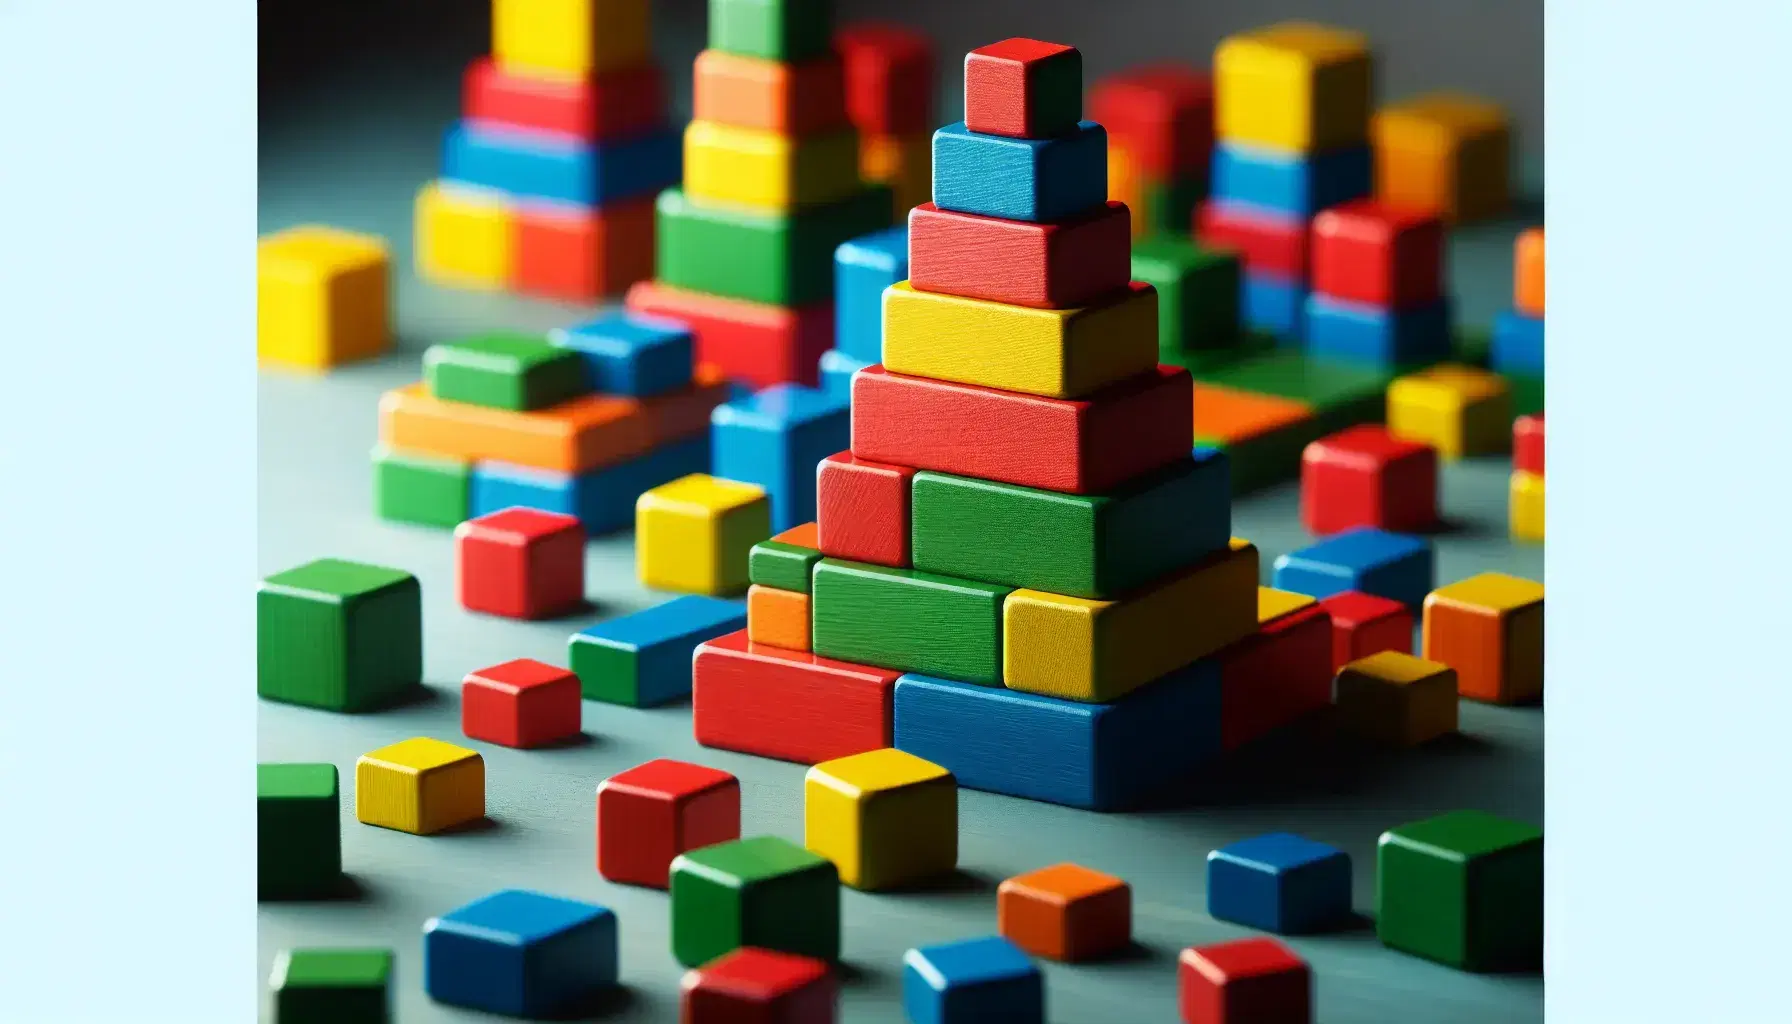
(889, 78)
(1366, 251)
(1162, 115)
(1023, 88)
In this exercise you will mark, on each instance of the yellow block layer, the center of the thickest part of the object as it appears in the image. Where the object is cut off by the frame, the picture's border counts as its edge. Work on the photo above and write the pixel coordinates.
(768, 171)
(571, 38)
(1459, 410)
(420, 786)
(885, 818)
(1444, 153)
(1397, 699)
(465, 238)
(904, 163)
(693, 535)
(1272, 604)
(1057, 353)
(1296, 87)
(322, 297)
(1526, 511)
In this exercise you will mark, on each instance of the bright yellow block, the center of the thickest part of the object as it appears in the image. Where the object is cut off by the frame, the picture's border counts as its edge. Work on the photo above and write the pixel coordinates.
(420, 786)
(571, 38)
(1057, 353)
(884, 817)
(466, 238)
(1397, 699)
(1444, 153)
(322, 297)
(768, 171)
(904, 163)
(1098, 651)
(1459, 410)
(1526, 510)
(1296, 87)
(693, 535)
(1272, 604)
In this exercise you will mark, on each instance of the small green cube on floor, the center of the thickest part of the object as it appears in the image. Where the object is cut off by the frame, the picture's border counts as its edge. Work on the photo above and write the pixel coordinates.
(780, 30)
(422, 490)
(1197, 292)
(1464, 889)
(782, 259)
(780, 564)
(518, 372)
(332, 986)
(338, 635)
(298, 830)
(907, 620)
(764, 891)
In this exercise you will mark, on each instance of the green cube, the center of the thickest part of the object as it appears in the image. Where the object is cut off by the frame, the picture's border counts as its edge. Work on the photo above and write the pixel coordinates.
(505, 371)
(781, 259)
(298, 829)
(908, 620)
(782, 565)
(765, 891)
(780, 30)
(332, 986)
(1170, 205)
(1197, 293)
(1464, 889)
(422, 490)
(339, 635)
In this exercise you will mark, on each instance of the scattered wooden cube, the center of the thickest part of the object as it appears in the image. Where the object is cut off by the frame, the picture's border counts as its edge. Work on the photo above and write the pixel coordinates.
(1065, 912)
(885, 818)
(651, 813)
(1365, 476)
(520, 563)
(523, 703)
(1489, 628)
(1444, 153)
(972, 981)
(764, 891)
(762, 986)
(1464, 889)
(332, 986)
(1397, 699)
(421, 786)
(1279, 883)
(1244, 981)
(1363, 624)
(298, 830)
(1458, 410)
(520, 953)
(322, 298)
(339, 635)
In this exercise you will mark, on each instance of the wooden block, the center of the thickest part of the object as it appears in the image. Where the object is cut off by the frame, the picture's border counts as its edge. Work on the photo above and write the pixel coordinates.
(1338, 395)
(1525, 515)
(597, 108)
(535, 167)
(1043, 179)
(503, 370)
(774, 439)
(789, 705)
(759, 985)
(1363, 624)
(889, 78)
(582, 434)
(522, 703)
(1047, 266)
(575, 254)
(1517, 346)
(651, 813)
(862, 510)
(863, 268)
(885, 818)
(1162, 114)
(1244, 980)
(1159, 207)
(421, 786)
(1023, 89)
(1365, 476)
(603, 500)
(1054, 353)
(908, 620)
(332, 986)
(1464, 889)
(630, 354)
(1278, 674)
(751, 342)
(342, 636)
(1262, 435)
(763, 891)
(778, 618)
(694, 533)
(1489, 628)
(1276, 307)
(1295, 87)
(1065, 912)
(1197, 293)
(761, 255)
(1527, 272)
(780, 30)
(322, 297)
(1291, 184)
(1265, 242)
(785, 561)
(520, 953)
(465, 237)
(803, 98)
(902, 163)
(1444, 153)
(1459, 410)
(1280, 883)
(643, 659)
(1396, 699)
(298, 830)
(766, 171)
(570, 38)
(520, 563)
(421, 490)
(1358, 332)
(1367, 251)
(1390, 565)
(971, 980)
(1273, 604)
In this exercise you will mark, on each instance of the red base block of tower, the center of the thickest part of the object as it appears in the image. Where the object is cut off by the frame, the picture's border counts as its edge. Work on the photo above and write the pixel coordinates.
(522, 703)
(1365, 251)
(575, 254)
(1365, 476)
(608, 106)
(1162, 115)
(748, 341)
(1265, 243)
(653, 812)
(862, 510)
(1527, 444)
(521, 563)
(1244, 982)
(789, 705)
(1046, 266)
(1276, 675)
(1364, 624)
(759, 986)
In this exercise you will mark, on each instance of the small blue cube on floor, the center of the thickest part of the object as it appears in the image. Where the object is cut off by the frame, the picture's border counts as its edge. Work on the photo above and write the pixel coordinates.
(520, 953)
(976, 981)
(1390, 565)
(837, 369)
(774, 439)
(1279, 883)
(1517, 344)
(1360, 333)
(1020, 179)
(863, 268)
(1273, 305)
(631, 354)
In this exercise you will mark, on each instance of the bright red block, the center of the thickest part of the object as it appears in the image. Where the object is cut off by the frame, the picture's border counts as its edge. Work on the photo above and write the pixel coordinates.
(750, 342)
(759, 986)
(522, 703)
(1264, 242)
(889, 78)
(862, 510)
(1364, 624)
(1365, 476)
(521, 563)
(789, 705)
(1162, 115)
(1023, 88)
(1276, 675)
(1244, 982)
(1527, 444)
(1369, 252)
(598, 109)
(653, 812)
(1046, 266)
(575, 254)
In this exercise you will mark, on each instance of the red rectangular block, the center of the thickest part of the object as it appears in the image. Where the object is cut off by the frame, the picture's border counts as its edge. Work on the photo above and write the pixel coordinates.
(578, 254)
(862, 510)
(1078, 446)
(1162, 115)
(889, 78)
(789, 705)
(1265, 243)
(1275, 676)
(1365, 476)
(759, 986)
(1366, 251)
(597, 109)
(1527, 444)
(1046, 266)
(521, 563)
(1245, 981)
(750, 342)
(1364, 624)
(651, 813)
(522, 703)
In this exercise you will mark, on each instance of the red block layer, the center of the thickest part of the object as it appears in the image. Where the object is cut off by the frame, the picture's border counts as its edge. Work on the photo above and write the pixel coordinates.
(1275, 676)
(653, 812)
(598, 109)
(1046, 266)
(889, 78)
(748, 341)
(1265, 243)
(1364, 624)
(1527, 444)
(1366, 251)
(1162, 116)
(574, 254)
(520, 563)
(1365, 476)
(790, 705)
(998, 94)
(522, 703)
(1244, 982)
(862, 510)
(759, 986)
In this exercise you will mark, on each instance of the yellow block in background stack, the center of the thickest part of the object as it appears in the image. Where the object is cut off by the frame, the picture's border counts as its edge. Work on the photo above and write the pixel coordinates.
(1445, 153)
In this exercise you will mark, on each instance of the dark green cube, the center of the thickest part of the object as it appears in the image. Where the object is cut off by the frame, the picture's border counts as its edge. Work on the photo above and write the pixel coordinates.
(908, 620)
(339, 635)
(785, 566)
(781, 30)
(1170, 205)
(518, 372)
(421, 490)
(764, 891)
(1464, 889)
(781, 259)
(1197, 293)
(332, 986)
(298, 830)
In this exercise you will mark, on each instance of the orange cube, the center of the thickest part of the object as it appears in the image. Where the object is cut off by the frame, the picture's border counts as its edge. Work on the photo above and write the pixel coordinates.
(904, 163)
(778, 618)
(1445, 153)
(1527, 273)
(1065, 912)
(579, 255)
(1489, 628)
(804, 98)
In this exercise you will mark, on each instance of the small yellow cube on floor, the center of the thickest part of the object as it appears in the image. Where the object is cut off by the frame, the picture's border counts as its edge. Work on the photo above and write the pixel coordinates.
(768, 171)
(1447, 154)
(571, 39)
(1489, 628)
(420, 786)
(1458, 410)
(885, 818)
(1526, 511)
(322, 297)
(693, 535)
(1396, 699)
(465, 238)
(1295, 87)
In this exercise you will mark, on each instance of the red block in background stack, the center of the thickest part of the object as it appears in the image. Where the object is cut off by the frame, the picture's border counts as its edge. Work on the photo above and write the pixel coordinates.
(1265, 243)
(1160, 142)
(890, 76)
(1527, 444)
(747, 341)
(607, 106)
(1365, 476)
(1378, 255)
(1364, 624)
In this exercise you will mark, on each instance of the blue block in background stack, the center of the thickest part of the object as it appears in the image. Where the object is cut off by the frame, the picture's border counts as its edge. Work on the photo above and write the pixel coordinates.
(1361, 333)
(774, 438)
(863, 268)
(630, 353)
(1517, 344)
(535, 165)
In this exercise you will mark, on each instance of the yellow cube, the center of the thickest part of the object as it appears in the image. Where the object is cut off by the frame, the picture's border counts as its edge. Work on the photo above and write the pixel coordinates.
(1445, 153)
(1272, 604)
(884, 817)
(466, 238)
(322, 297)
(1296, 87)
(1397, 699)
(420, 786)
(570, 39)
(1526, 510)
(1458, 410)
(904, 163)
(768, 171)
(693, 535)
(1489, 628)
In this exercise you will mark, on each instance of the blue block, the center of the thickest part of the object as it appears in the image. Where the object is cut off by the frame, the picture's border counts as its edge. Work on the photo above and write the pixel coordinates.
(532, 165)
(662, 640)
(1279, 883)
(1389, 565)
(1020, 179)
(1210, 513)
(519, 953)
(1298, 186)
(631, 353)
(863, 268)
(837, 369)
(1272, 305)
(602, 499)
(1361, 333)
(1096, 756)
(1518, 344)
(775, 439)
(973, 981)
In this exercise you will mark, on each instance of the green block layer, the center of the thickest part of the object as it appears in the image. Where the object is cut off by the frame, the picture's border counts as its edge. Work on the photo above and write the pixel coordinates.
(339, 635)
(333, 986)
(505, 371)
(781, 30)
(1464, 889)
(298, 828)
(764, 891)
(773, 563)
(908, 620)
(778, 259)
(422, 490)
(1197, 293)
(1170, 205)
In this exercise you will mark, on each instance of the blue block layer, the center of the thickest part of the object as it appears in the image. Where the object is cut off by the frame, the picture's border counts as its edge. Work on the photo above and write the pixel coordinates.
(1210, 511)
(837, 369)
(1298, 186)
(863, 268)
(1518, 344)
(1020, 179)
(775, 439)
(1389, 565)
(531, 165)
(662, 640)
(631, 353)
(1279, 883)
(1273, 305)
(519, 953)
(602, 499)
(974, 981)
(1361, 333)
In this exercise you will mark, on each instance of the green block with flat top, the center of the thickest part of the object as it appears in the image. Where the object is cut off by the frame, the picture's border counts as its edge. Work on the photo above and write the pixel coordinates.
(781, 259)
(1339, 394)
(1197, 293)
(1464, 889)
(518, 372)
(422, 490)
(907, 620)
(763, 891)
(780, 564)
(780, 30)
(298, 829)
(332, 986)
(339, 635)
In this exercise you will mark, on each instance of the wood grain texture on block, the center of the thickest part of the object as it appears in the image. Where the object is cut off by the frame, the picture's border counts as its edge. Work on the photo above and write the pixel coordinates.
(1047, 266)
(907, 620)
(1023, 88)
(862, 510)
(788, 705)
(1020, 179)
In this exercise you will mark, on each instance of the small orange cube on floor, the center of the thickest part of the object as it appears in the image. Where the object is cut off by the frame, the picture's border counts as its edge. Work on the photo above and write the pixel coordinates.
(1489, 628)
(779, 618)
(1065, 912)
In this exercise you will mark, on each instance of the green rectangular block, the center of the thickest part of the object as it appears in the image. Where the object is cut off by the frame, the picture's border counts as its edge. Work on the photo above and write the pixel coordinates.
(775, 563)
(1464, 889)
(907, 620)
(780, 30)
(783, 259)
(332, 986)
(763, 891)
(1340, 394)
(422, 490)
(339, 635)
(518, 372)
(1197, 293)
(298, 828)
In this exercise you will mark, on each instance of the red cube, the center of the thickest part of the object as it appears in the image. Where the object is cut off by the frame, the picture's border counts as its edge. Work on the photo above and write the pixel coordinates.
(521, 563)
(1162, 115)
(1023, 89)
(1244, 981)
(862, 510)
(1527, 444)
(613, 105)
(1365, 476)
(889, 79)
(574, 254)
(1366, 251)
(759, 986)
(522, 703)
(1266, 243)
(1047, 266)
(1364, 624)
(653, 812)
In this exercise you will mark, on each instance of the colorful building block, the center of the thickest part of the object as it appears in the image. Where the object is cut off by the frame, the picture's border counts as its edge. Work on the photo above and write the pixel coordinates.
(583, 434)
(768, 171)
(1197, 293)
(1464, 889)
(464, 237)
(1459, 410)
(651, 813)
(1517, 344)
(1278, 674)
(774, 439)
(972, 980)
(519, 372)
(837, 369)
(794, 99)
(521, 563)
(342, 636)
(1261, 435)
(759, 985)
(522, 703)
(862, 510)
(889, 78)
(1444, 153)
(582, 254)
(763, 891)
(751, 342)
(1363, 624)
(908, 620)
(693, 534)
(1072, 262)
(421, 786)
(332, 986)
(421, 490)
(1040, 179)
(1274, 306)
(1244, 980)
(630, 354)
(595, 108)
(644, 659)
(788, 705)
(1489, 628)
(778, 618)
(1294, 185)
(298, 830)
(759, 254)
(1023, 89)
(531, 165)
(603, 500)
(1280, 883)
(1296, 87)
(1065, 912)
(322, 297)
(1359, 332)
(786, 560)
(887, 819)
(1367, 251)
(780, 30)
(1368, 559)
(1365, 476)
(1527, 272)
(1526, 503)
(1396, 699)
(1268, 244)
(520, 953)
(570, 38)
(863, 268)
(1162, 116)
(1336, 394)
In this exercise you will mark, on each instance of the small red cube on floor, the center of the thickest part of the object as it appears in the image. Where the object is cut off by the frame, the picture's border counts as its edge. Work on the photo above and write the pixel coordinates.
(521, 563)
(521, 703)
(1364, 251)
(653, 812)
(862, 510)
(1363, 624)
(1365, 476)
(1244, 982)
(1527, 444)
(759, 986)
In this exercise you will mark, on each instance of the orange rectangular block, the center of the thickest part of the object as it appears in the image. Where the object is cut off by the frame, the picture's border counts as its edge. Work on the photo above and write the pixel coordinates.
(585, 433)
(1527, 273)
(1226, 416)
(779, 618)
(1489, 628)
(1065, 912)
(582, 255)
(803, 98)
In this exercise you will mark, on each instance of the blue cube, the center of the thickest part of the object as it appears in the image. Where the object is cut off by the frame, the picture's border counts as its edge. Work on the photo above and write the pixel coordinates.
(631, 353)
(1389, 565)
(975, 981)
(603, 499)
(1272, 305)
(837, 369)
(1361, 333)
(1298, 185)
(533, 165)
(520, 953)
(863, 268)
(1279, 883)
(1020, 179)
(775, 439)
(643, 659)
(1517, 344)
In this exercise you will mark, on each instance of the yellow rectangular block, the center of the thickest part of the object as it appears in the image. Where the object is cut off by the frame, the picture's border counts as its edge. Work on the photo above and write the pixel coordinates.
(1444, 153)
(694, 534)
(885, 818)
(1458, 410)
(421, 786)
(904, 163)
(569, 39)
(466, 238)
(322, 297)
(768, 171)
(1526, 509)
(1295, 87)
(1397, 699)
(1272, 604)
(1056, 353)
(1489, 628)
(1098, 651)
